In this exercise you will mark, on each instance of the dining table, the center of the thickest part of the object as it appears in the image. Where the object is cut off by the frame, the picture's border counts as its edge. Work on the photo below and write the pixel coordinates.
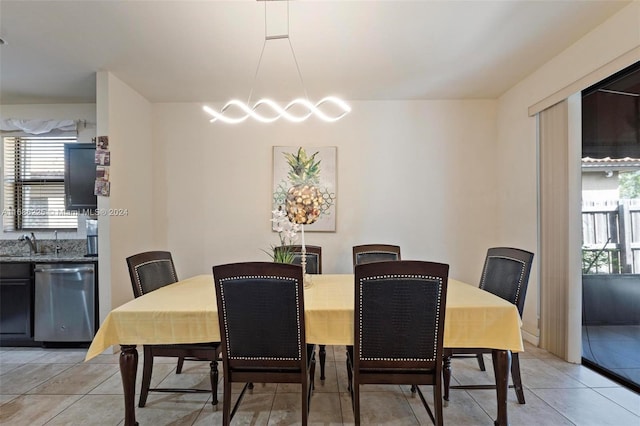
(186, 312)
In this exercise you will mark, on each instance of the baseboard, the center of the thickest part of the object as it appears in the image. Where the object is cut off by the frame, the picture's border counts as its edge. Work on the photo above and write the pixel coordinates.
(531, 338)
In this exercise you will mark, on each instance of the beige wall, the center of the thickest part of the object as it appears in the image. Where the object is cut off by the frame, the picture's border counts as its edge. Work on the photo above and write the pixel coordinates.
(421, 174)
(125, 117)
(619, 37)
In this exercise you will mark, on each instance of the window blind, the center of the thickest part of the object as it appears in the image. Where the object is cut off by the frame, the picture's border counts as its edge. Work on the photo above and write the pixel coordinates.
(34, 184)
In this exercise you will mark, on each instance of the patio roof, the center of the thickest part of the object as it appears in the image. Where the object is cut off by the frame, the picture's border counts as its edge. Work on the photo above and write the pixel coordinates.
(613, 164)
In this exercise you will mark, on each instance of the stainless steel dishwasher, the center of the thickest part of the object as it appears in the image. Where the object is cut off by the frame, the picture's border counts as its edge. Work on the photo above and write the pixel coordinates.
(64, 308)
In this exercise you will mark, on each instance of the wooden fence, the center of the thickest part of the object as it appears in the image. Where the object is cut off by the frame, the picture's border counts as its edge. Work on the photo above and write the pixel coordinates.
(611, 237)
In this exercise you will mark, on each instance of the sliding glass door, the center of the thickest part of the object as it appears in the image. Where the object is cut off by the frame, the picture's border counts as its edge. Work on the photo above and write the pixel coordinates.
(611, 226)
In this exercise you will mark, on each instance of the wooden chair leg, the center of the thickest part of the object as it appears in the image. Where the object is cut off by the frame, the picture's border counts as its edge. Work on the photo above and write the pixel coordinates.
(323, 357)
(437, 403)
(180, 365)
(313, 373)
(349, 382)
(480, 358)
(305, 386)
(226, 403)
(356, 403)
(147, 369)
(517, 379)
(349, 372)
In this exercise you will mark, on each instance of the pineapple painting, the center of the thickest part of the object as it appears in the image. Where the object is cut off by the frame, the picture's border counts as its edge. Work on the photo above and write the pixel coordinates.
(304, 185)
(304, 200)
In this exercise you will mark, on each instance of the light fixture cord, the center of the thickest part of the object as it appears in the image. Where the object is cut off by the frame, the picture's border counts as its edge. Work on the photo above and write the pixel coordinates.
(255, 76)
(293, 53)
(295, 59)
(304, 89)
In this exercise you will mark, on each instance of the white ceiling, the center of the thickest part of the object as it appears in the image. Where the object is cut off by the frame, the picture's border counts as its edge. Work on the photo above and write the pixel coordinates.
(194, 51)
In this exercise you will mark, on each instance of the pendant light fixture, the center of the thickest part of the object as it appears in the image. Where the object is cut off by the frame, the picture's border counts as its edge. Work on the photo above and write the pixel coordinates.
(267, 110)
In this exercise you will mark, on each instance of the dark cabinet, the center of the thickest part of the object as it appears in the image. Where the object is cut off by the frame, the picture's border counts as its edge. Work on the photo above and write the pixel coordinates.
(16, 302)
(79, 176)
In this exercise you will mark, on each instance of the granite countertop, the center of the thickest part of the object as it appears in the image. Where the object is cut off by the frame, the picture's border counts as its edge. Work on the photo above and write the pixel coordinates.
(70, 251)
(47, 258)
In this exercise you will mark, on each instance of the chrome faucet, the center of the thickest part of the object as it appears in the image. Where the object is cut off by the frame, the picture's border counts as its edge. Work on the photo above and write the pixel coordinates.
(31, 240)
(57, 247)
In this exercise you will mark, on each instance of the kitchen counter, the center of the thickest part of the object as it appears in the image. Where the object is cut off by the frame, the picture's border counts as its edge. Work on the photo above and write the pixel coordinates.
(12, 251)
(47, 258)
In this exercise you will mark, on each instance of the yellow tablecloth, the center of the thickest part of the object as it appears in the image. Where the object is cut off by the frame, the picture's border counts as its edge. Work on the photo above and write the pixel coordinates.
(186, 312)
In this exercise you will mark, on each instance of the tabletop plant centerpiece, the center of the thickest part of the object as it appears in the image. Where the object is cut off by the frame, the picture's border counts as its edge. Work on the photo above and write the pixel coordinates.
(287, 233)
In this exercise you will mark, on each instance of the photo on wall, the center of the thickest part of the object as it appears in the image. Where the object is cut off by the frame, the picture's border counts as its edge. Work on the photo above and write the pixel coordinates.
(102, 173)
(102, 188)
(102, 143)
(103, 158)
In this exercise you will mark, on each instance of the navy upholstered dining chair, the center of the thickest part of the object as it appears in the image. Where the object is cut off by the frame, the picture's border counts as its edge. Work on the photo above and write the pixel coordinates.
(399, 315)
(150, 271)
(506, 274)
(366, 253)
(261, 316)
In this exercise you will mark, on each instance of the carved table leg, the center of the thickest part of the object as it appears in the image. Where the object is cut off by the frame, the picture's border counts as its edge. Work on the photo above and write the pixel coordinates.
(501, 368)
(128, 367)
(446, 374)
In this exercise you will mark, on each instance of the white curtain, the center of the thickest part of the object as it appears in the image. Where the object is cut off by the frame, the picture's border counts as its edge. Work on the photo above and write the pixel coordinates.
(36, 127)
(553, 229)
(560, 229)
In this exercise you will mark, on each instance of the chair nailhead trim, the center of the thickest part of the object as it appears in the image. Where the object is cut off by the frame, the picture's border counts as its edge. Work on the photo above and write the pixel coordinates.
(402, 276)
(224, 312)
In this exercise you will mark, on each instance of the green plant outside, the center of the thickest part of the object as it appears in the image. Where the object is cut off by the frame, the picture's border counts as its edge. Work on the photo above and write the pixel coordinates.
(630, 185)
(594, 261)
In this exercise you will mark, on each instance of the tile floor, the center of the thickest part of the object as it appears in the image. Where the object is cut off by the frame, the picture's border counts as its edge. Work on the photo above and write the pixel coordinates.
(55, 387)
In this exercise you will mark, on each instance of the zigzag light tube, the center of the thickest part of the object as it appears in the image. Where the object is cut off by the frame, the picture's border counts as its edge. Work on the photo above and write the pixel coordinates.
(279, 112)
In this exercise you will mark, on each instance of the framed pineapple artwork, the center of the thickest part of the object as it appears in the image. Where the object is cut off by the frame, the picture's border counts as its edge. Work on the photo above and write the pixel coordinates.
(304, 185)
